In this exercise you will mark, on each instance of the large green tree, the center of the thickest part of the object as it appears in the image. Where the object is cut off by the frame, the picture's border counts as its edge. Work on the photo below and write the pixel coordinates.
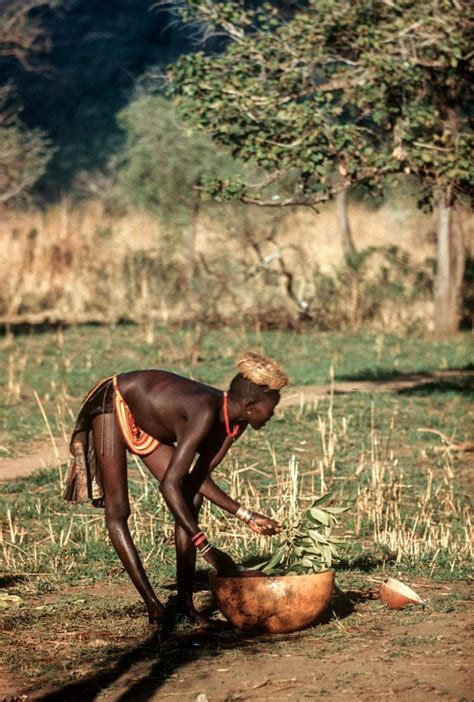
(339, 92)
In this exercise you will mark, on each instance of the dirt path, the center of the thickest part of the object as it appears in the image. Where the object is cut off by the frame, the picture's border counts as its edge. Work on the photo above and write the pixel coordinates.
(43, 453)
(310, 393)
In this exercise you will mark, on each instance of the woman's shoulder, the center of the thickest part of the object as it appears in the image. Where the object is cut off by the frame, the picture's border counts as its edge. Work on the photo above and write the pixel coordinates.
(158, 382)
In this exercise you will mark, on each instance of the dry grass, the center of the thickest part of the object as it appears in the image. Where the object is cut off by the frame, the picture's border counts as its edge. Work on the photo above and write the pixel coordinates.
(413, 522)
(76, 262)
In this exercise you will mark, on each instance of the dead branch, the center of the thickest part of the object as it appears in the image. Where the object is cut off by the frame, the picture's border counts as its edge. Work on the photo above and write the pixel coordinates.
(450, 445)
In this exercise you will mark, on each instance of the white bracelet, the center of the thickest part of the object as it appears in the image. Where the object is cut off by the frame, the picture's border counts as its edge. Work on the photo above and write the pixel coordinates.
(244, 514)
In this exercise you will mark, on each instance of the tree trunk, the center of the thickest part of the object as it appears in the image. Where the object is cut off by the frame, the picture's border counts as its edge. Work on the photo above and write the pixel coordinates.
(347, 241)
(190, 233)
(189, 243)
(450, 260)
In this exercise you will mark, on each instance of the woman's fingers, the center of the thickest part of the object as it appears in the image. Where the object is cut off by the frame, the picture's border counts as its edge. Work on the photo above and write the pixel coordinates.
(264, 526)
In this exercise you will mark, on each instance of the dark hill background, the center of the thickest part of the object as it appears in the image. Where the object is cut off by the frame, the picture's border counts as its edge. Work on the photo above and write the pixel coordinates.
(98, 50)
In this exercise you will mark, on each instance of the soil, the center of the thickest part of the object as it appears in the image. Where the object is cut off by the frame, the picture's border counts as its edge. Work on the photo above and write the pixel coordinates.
(363, 651)
(310, 393)
(40, 454)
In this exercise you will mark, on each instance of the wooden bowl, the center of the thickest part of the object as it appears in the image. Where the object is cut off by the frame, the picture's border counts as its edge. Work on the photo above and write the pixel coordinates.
(275, 605)
(396, 595)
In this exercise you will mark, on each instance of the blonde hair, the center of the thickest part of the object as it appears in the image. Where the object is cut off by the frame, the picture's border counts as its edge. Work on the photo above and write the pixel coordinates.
(262, 370)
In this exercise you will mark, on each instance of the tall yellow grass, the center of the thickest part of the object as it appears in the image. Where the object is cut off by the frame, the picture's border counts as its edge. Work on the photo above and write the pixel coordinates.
(75, 262)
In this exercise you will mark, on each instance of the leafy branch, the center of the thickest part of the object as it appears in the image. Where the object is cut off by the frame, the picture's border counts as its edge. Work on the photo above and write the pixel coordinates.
(308, 545)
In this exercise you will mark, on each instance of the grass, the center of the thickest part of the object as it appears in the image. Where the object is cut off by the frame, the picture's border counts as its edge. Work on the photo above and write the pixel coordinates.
(60, 366)
(407, 489)
(126, 266)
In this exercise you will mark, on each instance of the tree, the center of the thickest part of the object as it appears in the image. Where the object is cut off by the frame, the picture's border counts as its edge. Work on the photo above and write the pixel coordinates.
(94, 53)
(162, 161)
(24, 153)
(341, 93)
(21, 36)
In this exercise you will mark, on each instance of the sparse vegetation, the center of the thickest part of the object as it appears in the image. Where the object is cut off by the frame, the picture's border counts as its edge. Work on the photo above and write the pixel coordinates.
(75, 263)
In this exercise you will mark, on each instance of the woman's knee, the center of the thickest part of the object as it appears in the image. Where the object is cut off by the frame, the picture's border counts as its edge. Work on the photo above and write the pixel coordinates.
(116, 512)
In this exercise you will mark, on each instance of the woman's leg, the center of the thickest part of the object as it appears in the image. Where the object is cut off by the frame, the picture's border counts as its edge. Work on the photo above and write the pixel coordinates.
(186, 565)
(158, 462)
(112, 464)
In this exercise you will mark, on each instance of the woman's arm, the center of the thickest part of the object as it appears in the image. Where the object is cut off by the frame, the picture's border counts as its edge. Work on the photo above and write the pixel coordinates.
(171, 485)
(211, 491)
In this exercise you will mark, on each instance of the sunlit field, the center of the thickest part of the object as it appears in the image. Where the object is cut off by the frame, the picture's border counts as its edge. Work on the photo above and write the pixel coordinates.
(397, 460)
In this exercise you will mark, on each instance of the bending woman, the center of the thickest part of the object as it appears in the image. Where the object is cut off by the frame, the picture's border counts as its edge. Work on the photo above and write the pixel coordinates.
(168, 420)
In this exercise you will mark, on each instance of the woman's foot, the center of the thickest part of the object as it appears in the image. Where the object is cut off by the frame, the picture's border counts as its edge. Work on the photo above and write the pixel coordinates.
(187, 610)
(156, 613)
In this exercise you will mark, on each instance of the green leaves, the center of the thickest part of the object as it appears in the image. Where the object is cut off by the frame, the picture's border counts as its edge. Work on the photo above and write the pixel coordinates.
(307, 546)
(332, 82)
(164, 160)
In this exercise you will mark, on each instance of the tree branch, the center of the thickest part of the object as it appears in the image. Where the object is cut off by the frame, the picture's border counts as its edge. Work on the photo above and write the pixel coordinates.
(276, 201)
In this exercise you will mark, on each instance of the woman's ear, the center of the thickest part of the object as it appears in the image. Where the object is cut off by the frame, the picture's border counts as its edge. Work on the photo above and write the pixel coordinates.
(248, 406)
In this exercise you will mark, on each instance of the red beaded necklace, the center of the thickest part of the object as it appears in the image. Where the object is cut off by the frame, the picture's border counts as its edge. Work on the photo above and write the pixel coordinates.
(236, 428)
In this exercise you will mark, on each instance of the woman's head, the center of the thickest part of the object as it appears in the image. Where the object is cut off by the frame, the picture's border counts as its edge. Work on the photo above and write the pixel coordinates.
(257, 387)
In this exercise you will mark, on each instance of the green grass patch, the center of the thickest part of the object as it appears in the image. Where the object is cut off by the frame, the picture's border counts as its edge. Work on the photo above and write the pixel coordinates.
(61, 366)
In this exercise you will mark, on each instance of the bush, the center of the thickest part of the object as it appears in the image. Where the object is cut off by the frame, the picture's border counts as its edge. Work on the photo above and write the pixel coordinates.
(164, 160)
(24, 153)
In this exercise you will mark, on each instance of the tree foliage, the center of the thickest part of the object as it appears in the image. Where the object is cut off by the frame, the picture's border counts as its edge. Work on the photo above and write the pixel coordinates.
(24, 153)
(369, 88)
(163, 160)
(94, 53)
(21, 36)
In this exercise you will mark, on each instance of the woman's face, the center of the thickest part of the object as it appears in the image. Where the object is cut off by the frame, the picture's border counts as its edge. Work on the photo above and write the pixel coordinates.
(260, 411)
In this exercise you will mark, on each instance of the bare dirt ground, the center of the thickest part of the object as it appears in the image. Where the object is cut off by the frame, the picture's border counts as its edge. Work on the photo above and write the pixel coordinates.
(309, 393)
(40, 454)
(363, 651)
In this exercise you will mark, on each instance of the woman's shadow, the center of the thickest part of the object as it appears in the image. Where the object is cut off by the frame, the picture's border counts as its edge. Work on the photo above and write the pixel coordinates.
(177, 644)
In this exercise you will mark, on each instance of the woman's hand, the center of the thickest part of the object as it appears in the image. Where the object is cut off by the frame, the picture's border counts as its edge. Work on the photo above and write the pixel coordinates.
(221, 562)
(263, 525)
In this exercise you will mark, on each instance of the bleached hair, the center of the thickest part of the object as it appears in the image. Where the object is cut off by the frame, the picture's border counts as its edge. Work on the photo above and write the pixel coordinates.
(262, 370)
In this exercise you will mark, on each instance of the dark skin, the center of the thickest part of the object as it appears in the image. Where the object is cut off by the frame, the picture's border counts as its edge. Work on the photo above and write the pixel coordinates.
(187, 418)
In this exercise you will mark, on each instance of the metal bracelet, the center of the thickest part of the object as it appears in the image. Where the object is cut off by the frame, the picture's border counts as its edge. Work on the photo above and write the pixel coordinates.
(244, 514)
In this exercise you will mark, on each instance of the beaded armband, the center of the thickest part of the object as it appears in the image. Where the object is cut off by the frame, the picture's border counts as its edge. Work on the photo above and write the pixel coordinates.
(201, 543)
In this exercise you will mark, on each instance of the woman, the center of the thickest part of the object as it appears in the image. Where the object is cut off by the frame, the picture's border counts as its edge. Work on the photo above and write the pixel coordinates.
(168, 420)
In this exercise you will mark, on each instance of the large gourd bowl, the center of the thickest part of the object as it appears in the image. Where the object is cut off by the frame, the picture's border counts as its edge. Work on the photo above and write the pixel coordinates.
(275, 605)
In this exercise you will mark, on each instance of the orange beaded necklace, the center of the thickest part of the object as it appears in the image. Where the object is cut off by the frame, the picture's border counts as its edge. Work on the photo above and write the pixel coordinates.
(232, 433)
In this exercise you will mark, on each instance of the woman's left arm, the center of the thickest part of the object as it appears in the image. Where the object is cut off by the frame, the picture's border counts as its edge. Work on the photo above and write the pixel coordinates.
(211, 491)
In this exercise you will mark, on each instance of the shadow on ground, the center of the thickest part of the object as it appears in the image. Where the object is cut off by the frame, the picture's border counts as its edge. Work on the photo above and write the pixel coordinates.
(10, 580)
(384, 374)
(456, 380)
(461, 385)
(170, 649)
